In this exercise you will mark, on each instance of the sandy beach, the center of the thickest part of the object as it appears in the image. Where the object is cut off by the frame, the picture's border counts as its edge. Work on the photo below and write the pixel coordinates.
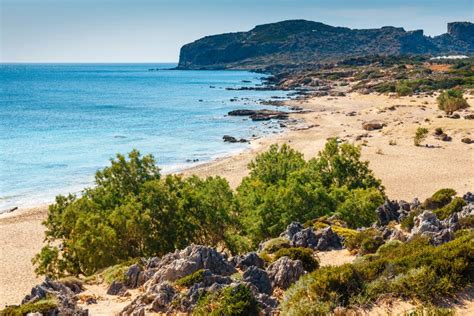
(406, 171)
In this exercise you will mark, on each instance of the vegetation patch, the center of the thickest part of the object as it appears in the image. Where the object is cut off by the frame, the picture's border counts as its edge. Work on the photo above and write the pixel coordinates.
(191, 279)
(451, 100)
(232, 301)
(420, 135)
(412, 270)
(364, 242)
(42, 306)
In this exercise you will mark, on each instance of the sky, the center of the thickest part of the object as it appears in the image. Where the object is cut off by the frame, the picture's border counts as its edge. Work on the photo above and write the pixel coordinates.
(154, 30)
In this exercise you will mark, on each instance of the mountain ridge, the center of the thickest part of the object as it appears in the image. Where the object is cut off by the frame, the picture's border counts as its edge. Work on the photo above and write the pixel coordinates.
(293, 42)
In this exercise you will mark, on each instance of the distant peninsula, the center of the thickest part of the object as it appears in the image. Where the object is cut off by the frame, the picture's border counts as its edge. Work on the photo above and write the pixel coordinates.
(295, 43)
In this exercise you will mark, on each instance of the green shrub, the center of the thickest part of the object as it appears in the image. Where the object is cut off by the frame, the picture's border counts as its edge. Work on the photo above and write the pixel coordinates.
(191, 279)
(467, 222)
(388, 247)
(42, 306)
(365, 241)
(358, 210)
(454, 206)
(310, 263)
(329, 286)
(231, 301)
(403, 89)
(451, 100)
(345, 233)
(420, 135)
(439, 199)
(275, 244)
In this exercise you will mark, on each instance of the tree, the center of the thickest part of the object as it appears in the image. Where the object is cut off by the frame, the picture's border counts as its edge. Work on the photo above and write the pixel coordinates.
(133, 212)
(340, 165)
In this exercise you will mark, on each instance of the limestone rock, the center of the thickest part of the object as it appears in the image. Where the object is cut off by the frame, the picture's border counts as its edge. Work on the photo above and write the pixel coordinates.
(259, 278)
(248, 260)
(184, 262)
(284, 272)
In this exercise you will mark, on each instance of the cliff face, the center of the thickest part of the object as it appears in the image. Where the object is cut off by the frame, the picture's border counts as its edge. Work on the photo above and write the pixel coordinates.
(306, 42)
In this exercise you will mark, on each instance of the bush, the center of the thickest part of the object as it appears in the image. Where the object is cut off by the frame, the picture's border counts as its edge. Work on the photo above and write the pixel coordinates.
(191, 279)
(358, 210)
(232, 301)
(420, 135)
(403, 89)
(364, 242)
(439, 199)
(329, 286)
(44, 306)
(275, 244)
(454, 206)
(345, 233)
(451, 100)
(310, 263)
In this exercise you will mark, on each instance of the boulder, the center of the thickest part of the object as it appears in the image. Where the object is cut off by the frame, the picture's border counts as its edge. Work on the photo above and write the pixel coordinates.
(184, 262)
(468, 197)
(248, 260)
(134, 277)
(116, 288)
(372, 125)
(305, 238)
(426, 222)
(229, 139)
(387, 212)
(327, 240)
(268, 304)
(241, 113)
(467, 140)
(284, 272)
(291, 230)
(66, 298)
(259, 278)
(165, 294)
(323, 239)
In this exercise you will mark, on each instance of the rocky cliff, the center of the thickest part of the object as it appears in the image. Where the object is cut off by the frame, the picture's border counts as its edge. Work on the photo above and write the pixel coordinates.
(296, 42)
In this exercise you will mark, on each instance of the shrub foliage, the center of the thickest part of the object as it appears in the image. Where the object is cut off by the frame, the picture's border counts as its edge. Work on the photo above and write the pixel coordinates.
(132, 211)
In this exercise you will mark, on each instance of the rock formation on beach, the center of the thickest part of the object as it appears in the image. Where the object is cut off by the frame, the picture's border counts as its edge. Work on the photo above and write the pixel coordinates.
(295, 43)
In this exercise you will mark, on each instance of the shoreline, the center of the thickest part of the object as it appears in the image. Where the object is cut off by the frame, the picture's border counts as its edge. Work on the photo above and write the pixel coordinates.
(406, 171)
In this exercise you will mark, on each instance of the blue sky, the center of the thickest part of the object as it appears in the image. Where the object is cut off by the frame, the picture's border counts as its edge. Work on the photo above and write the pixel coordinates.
(154, 30)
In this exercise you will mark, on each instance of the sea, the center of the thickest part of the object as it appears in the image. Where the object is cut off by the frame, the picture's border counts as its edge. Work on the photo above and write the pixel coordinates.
(60, 123)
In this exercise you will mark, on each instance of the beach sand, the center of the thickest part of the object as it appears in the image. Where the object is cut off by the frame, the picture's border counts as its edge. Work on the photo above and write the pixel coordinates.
(406, 171)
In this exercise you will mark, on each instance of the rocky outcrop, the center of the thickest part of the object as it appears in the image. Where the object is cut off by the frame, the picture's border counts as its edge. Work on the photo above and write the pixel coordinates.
(323, 239)
(284, 272)
(307, 43)
(232, 139)
(259, 278)
(260, 115)
(64, 293)
(248, 260)
(392, 211)
(189, 260)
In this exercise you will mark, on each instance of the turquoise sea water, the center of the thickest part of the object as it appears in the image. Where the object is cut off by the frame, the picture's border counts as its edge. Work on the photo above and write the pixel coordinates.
(59, 123)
